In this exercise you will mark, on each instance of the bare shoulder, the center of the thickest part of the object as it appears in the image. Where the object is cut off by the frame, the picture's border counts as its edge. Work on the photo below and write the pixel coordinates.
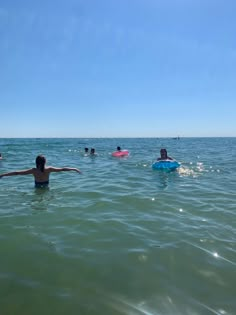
(31, 170)
(51, 169)
(25, 172)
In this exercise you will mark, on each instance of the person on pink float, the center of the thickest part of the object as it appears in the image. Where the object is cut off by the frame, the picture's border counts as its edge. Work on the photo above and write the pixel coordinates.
(120, 153)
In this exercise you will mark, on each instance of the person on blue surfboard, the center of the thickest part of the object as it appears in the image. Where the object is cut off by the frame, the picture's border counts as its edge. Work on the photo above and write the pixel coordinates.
(164, 155)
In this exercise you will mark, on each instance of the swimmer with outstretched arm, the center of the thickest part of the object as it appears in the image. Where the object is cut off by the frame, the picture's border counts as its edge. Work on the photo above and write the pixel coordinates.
(40, 172)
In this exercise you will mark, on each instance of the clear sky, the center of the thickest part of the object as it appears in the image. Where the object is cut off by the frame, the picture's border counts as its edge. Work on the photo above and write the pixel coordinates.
(117, 68)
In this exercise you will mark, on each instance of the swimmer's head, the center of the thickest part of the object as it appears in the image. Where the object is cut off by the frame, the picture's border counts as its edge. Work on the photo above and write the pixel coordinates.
(40, 162)
(163, 152)
(118, 148)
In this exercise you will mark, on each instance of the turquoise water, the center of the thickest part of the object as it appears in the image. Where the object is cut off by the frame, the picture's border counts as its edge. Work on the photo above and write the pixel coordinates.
(121, 238)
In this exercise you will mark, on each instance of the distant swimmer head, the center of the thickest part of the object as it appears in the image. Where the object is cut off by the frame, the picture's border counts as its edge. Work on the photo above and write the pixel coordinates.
(40, 162)
(92, 151)
(118, 148)
(86, 150)
(163, 153)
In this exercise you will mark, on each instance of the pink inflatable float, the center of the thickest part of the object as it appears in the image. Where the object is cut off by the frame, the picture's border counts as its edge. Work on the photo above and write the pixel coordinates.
(120, 153)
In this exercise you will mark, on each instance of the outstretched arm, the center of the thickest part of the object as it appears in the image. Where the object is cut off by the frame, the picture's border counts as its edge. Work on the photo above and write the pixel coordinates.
(23, 172)
(63, 169)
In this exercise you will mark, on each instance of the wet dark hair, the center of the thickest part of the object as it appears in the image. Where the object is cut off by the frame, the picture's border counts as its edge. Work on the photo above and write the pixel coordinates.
(86, 149)
(118, 148)
(40, 162)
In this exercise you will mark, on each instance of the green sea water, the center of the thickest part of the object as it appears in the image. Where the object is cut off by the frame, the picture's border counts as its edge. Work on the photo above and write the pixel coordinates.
(121, 238)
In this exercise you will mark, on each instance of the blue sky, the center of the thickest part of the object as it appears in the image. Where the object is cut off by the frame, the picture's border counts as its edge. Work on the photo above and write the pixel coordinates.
(109, 68)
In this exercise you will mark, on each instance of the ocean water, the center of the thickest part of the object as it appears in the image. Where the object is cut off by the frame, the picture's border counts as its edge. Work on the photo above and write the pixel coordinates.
(121, 238)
